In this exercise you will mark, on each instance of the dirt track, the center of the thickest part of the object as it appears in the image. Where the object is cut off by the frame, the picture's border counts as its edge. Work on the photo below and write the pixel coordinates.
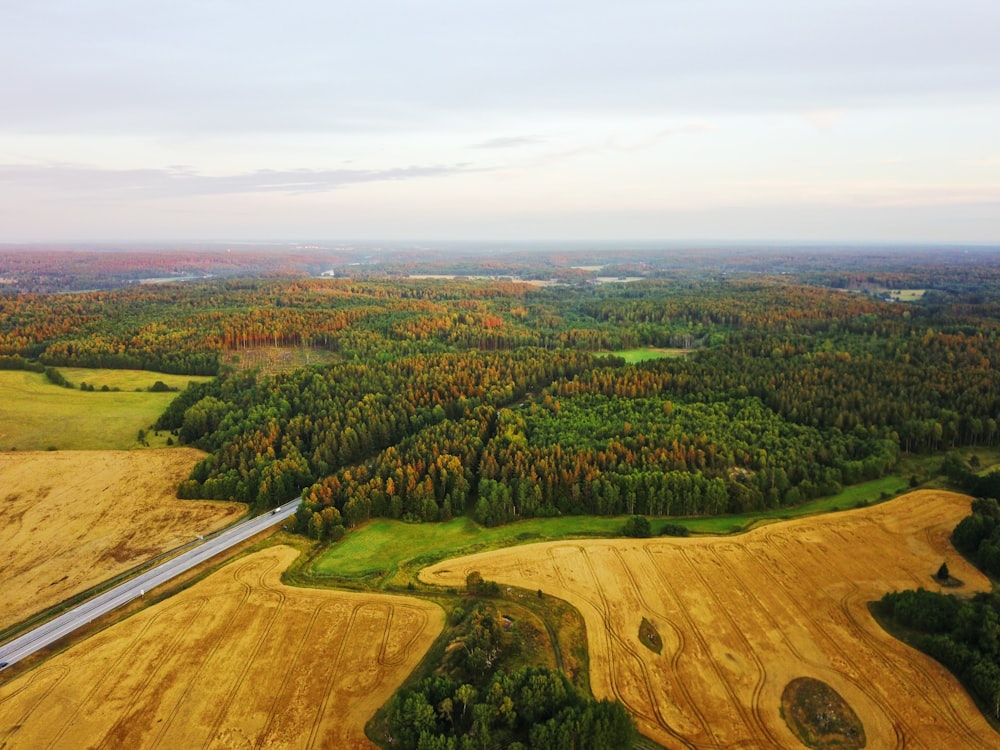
(71, 519)
(740, 617)
(236, 661)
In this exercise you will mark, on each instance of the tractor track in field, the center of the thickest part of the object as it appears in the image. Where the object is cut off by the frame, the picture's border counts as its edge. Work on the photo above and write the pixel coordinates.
(334, 672)
(263, 590)
(136, 642)
(856, 674)
(217, 642)
(615, 638)
(749, 650)
(62, 672)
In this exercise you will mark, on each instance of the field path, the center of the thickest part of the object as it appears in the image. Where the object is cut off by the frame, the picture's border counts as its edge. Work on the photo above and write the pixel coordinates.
(740, 617)
(236, 661)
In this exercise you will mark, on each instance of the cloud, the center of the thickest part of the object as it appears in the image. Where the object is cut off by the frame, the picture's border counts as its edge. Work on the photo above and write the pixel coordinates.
(182, 180)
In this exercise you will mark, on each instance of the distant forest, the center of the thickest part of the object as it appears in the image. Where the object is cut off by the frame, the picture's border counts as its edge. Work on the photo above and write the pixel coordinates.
(690, 389)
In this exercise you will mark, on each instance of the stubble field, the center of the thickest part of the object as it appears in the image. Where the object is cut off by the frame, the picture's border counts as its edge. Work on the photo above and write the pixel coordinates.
(740, 618)
(69, 520)
(236, 661)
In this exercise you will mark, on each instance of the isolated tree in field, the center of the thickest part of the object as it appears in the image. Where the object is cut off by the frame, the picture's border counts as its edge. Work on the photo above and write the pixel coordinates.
(943, 574)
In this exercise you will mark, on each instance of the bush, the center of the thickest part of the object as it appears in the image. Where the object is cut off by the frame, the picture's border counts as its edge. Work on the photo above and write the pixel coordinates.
(56, 378)
(674, 529)
(638, 527)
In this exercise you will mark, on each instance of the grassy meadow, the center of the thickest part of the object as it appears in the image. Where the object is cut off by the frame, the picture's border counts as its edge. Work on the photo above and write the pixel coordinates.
(37, 415)
(632, 356)
(386, 552)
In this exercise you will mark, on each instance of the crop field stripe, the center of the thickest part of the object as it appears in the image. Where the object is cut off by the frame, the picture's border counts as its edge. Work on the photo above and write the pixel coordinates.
(265, 590)
(63, 671)
(755, 718)
(384, 645)
(407, 647)
(693, 627)
(321, 711)
(562, 579)
(291, 666)
(749, 596)
(219, 640)
(133, 646)
(612, 637)
(637, 590)
(141, 688)
(675, 658)
(856, 679)
(851, 540)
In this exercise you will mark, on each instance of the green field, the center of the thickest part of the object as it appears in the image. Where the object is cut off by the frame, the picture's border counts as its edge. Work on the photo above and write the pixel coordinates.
(865, 493)
(376, 551)
(37, 415)
(907, 295)
(390, 552)
(632, 356)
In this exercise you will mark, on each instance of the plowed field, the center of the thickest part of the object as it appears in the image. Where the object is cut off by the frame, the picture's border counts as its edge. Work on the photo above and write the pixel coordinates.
(236, 661)
(69, 520)
(741, 617)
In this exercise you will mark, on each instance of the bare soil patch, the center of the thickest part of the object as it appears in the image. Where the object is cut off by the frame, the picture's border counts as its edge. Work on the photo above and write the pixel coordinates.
(69, 520)
(741, 617)
(237, 660)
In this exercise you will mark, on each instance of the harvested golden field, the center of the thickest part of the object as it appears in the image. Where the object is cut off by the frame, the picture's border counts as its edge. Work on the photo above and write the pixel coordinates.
(69, 520)
(741, 617)
(236, 661)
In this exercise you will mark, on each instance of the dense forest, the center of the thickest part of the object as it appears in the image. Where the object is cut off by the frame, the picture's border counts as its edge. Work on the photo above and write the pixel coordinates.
(507, 400)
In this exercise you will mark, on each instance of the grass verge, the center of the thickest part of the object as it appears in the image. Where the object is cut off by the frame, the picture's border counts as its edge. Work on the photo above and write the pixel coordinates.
(387, 554)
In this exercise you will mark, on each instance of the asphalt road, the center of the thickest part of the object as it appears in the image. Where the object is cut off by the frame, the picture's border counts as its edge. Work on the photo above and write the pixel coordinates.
(134, 588)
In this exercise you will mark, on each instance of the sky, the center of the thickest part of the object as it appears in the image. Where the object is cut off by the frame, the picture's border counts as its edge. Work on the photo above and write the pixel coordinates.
(719, 120)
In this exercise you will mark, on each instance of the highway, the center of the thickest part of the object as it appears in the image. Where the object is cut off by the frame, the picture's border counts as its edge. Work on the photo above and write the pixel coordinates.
(205, 549)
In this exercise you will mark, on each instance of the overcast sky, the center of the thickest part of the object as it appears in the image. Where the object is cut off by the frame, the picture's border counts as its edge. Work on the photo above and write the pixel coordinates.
(826, 120)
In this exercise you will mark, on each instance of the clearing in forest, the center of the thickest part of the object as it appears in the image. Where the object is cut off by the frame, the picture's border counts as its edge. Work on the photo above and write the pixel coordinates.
(70, 520)
(38, 415)
(742, 617)
(237, 660)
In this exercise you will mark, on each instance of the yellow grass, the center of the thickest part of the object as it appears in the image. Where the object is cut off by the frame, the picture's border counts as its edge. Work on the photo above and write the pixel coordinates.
(69, 520)
(907, 295)
(126, 380)
(741, 617)
(236, 661)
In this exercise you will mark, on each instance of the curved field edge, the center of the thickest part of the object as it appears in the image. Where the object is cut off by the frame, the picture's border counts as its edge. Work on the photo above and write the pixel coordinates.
(235, 658)
(783, 601)
(385, 553)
